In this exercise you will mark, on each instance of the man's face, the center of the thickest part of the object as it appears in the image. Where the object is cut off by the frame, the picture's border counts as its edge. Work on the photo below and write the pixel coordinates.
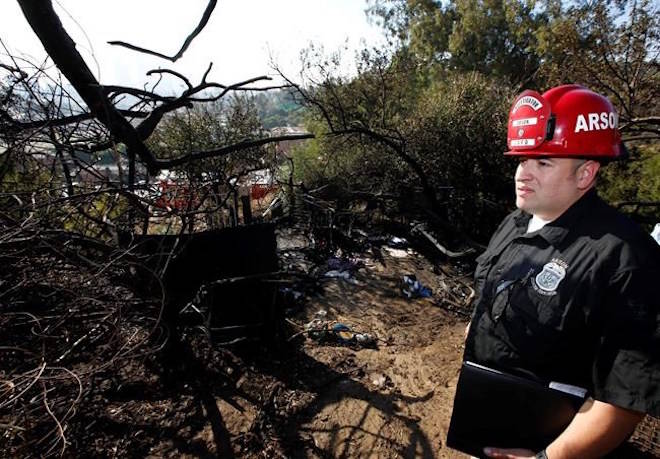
(546, 187)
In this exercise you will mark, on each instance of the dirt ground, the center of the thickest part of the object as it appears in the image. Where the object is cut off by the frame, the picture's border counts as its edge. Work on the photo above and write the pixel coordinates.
(305, 395)
(389, 400)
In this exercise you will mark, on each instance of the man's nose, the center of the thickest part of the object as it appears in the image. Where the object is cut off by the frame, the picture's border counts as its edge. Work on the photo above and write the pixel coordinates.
(523, 172)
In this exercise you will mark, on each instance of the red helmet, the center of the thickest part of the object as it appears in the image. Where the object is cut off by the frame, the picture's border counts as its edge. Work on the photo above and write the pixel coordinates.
(568, 120)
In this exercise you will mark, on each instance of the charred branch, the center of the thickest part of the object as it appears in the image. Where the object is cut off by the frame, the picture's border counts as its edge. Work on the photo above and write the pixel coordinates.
(200, 26)
(172, 72)
(14, 70)
(65, 121)
(62, 49)
(243, 145)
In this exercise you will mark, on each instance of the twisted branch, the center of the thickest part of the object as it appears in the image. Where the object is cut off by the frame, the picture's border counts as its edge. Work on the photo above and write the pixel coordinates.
(202, 23)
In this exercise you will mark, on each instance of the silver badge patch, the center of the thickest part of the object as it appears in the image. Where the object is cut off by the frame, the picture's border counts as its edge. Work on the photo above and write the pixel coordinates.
(552, 274)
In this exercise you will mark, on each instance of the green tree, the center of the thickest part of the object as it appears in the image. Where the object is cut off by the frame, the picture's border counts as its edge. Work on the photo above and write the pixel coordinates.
(494, 37)
(277, 108)
(612, 48)
(635, 185)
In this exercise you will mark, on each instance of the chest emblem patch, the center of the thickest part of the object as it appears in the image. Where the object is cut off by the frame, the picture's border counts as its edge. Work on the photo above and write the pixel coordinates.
(549, 278)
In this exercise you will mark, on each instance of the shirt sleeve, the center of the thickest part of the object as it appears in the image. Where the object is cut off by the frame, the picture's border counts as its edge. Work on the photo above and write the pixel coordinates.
(626, 370)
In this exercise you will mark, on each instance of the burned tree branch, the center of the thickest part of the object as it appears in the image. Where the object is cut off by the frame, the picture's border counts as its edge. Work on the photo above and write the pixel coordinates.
(451, 254)
(62, 49)
(67, 120)
(114, 91)
(202, 23)
(14, 70)
(207, 72)
(243, 145)
(171, 72)
(146, 127)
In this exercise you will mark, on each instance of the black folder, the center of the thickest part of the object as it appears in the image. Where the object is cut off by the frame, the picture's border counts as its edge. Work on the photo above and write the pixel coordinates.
(493, 408)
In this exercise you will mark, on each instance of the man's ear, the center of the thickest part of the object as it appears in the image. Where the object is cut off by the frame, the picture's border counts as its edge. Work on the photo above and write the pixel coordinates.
(586, 174)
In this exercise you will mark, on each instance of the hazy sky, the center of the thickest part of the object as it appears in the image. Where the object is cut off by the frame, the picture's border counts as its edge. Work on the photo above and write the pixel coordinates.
(237, 39)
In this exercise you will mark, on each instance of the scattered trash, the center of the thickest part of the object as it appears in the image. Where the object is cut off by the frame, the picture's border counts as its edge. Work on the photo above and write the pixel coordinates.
(321, 314)
(346, 275)
(365, 339)
(343, 332)
(382, 381)
(379, 381)
(396, 253)
(317, 329)
(343, 264)
(656, 233)
(412, 288)
(377, 240)
(397, 243)
(320, 330)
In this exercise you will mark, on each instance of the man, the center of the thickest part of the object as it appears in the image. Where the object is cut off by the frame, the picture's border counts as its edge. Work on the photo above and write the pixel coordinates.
(568, 289)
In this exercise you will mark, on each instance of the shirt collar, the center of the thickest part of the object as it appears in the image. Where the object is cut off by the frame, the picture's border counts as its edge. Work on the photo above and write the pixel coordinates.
(521, 220)
(555, 231)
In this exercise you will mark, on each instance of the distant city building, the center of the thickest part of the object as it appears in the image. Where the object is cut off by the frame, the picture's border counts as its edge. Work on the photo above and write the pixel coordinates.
(284, 147)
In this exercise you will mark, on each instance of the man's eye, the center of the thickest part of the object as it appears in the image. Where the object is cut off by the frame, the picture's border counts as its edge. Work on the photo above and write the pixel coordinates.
(544, 163)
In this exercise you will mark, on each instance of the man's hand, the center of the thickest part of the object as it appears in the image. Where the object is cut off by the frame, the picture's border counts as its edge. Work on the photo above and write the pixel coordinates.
(513, 453)
(595, 430)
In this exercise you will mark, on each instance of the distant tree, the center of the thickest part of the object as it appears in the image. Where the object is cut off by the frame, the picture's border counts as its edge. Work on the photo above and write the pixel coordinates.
(492, 37)
(278, 108)
(613, 48)
(214, 180)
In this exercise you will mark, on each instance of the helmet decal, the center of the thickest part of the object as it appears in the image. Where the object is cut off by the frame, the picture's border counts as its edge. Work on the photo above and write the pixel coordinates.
(597, 121)
(528, 120)
(524, 122)
(529, 101)
(522, 143)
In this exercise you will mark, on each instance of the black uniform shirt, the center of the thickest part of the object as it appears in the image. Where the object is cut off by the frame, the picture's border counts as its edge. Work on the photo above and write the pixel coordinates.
(575, 302)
